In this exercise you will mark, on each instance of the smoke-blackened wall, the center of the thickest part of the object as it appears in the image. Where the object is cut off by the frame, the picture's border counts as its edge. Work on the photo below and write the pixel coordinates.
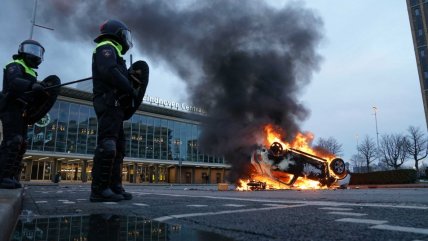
(244, 62)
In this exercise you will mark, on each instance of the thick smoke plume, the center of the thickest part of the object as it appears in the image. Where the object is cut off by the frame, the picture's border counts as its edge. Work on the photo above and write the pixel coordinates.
(244, 62)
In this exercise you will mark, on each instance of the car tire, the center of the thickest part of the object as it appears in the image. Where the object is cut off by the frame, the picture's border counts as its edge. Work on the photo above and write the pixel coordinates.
(338, 167)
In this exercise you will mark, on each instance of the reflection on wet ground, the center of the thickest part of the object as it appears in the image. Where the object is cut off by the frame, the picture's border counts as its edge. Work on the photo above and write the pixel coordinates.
(106, 227)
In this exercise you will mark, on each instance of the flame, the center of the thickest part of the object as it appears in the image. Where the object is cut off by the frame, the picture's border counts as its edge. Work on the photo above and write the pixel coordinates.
(301, 142)
(271, 184)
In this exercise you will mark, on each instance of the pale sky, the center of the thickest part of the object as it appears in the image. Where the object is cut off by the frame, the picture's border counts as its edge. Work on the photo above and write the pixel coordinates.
(368, 60)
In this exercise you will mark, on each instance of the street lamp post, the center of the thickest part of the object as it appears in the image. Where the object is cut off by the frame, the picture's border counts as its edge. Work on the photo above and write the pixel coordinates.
(33, 21)
(377, 132)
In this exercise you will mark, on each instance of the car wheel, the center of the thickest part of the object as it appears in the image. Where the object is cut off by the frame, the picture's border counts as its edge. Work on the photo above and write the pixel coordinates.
(276, 148)
(338, 167)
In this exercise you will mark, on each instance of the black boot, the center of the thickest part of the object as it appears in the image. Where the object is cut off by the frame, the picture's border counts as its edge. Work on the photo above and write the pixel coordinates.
(118, 189)
(101, 174)
(17, 166)
(116, 178)
(104, 195)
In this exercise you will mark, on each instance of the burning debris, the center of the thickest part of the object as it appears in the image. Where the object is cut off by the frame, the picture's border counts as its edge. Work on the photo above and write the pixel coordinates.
(281, 165)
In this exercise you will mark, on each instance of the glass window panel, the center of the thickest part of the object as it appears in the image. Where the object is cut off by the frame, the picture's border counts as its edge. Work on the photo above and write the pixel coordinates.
(135, 135)
(62, 126)
(157, 139)
(186, 137)
(72, 128)
(83, 129)
(194, 143)
(164, 139)
(50, 139)
(38, 138)
(143, 133)
(150, 137)
(127, 132)
(171, 139)
(30, 135)
(92, 131)
(177, 141)
(200, 154)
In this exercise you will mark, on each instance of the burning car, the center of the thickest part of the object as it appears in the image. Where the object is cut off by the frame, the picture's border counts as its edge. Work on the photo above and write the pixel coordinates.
(287, 165)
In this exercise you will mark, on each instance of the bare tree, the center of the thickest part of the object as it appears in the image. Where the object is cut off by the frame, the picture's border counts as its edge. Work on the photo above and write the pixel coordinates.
(368, 151)
(394, 150)
(330, 145)
(358, 162)
(418, 145)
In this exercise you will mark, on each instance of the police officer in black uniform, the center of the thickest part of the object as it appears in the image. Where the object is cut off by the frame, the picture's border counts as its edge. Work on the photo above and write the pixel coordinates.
(20, 89)
(117, 93)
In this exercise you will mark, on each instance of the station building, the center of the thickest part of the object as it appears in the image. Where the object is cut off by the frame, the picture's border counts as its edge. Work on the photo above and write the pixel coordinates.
(161, 143)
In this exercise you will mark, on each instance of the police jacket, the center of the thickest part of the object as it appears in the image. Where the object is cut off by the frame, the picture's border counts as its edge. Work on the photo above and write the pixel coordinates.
(17, 79)
(109, 72)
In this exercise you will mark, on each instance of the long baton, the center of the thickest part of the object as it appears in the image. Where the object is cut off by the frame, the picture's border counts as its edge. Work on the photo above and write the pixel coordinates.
(64, 84)
(68, 83)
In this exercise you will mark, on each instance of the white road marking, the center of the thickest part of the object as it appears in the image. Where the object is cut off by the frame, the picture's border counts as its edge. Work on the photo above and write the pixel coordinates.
(62, 200)
(336, 209)
(234, 205)
(140, 204)
(360, 220)
(313, 203)
(272, 204)
(197, 205)
(348, 214)
(164, 218)
(110, 203)
(68, 202)
(41, 201)
(401, 229)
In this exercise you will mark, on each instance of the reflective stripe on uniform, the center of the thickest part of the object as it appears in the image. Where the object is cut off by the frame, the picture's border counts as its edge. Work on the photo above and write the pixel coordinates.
(117, 46)
(28, 70)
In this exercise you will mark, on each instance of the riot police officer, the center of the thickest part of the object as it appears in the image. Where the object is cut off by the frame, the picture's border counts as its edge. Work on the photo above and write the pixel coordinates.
(117, 94)
(17, 108)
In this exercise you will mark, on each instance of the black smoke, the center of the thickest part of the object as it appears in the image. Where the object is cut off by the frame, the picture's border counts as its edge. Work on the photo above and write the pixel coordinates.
(244, 62)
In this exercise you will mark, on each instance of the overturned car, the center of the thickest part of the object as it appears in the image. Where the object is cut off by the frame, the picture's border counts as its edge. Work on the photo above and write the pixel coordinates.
(279, 164)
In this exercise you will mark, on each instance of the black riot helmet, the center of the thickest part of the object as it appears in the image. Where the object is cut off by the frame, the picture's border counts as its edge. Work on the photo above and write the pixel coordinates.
(116, 30)
(32, 53)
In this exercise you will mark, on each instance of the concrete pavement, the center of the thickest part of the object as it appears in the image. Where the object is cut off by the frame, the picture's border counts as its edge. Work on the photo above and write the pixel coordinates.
(11, 200)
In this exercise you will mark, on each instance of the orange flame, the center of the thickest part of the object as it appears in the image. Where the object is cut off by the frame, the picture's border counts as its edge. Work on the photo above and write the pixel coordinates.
(302, 142)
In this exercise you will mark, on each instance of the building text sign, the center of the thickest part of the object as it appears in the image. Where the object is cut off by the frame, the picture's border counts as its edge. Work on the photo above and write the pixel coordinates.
(173, 104)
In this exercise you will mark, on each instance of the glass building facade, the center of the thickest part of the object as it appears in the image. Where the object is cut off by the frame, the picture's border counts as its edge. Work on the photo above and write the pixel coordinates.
(418, 16)
(158, 138)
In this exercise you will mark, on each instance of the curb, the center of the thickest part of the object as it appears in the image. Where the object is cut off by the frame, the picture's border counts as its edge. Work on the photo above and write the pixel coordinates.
(10, 209)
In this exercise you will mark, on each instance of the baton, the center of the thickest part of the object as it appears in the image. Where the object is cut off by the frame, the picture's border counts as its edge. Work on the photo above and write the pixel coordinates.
(68, 83)
(64, 84)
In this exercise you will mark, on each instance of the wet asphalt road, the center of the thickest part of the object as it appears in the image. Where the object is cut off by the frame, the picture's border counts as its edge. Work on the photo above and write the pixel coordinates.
(353, 214)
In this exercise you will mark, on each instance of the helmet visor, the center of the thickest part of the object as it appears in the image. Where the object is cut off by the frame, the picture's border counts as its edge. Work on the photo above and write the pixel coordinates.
(33, 49)
(127, 37)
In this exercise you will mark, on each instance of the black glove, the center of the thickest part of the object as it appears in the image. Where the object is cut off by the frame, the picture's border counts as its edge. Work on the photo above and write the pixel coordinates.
(139, 73)
(37, 88)
(51, 80)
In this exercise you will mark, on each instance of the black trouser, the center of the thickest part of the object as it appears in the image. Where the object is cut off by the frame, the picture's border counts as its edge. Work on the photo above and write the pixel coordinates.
(109, 154)
(13, 146)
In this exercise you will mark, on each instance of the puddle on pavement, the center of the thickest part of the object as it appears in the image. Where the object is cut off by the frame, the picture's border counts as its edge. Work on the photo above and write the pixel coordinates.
(106, 227)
